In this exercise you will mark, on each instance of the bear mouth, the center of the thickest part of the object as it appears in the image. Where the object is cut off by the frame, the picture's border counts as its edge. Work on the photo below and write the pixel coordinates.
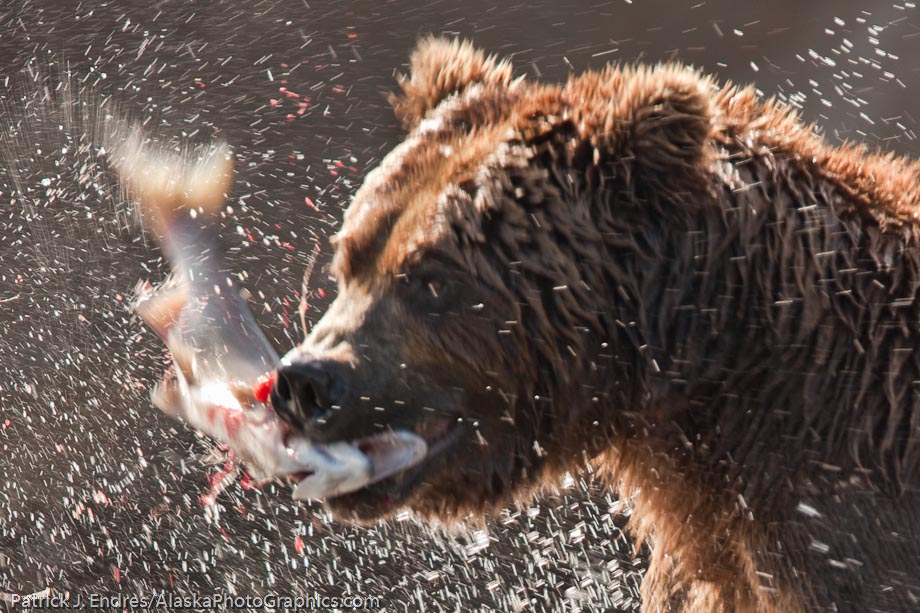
(386, 495)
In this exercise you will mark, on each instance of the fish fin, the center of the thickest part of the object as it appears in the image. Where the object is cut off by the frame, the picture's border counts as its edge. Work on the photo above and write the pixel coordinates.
(160, 307)
(183, 357)
(167, 397)
(243, 394)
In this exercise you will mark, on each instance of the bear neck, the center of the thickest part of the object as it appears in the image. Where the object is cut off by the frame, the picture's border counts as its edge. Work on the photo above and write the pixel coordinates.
(725, 310)
(776, 313)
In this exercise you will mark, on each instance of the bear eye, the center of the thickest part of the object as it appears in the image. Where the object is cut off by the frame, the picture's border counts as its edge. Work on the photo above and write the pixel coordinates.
(436, 287)
(428, 284)
(424, 288)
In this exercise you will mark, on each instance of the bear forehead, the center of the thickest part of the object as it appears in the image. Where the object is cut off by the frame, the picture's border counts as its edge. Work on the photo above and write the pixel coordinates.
(400, 209)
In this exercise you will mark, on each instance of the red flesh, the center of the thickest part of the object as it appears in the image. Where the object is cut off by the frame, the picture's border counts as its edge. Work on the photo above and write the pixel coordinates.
(263, 387)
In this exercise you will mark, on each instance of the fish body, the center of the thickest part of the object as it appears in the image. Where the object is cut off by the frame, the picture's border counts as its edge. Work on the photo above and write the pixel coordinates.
(222, 362)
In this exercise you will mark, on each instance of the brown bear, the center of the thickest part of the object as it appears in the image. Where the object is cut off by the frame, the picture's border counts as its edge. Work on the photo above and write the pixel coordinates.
(671, 279)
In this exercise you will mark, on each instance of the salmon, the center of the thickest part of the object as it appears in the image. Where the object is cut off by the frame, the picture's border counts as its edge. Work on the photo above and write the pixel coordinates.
(222, 363)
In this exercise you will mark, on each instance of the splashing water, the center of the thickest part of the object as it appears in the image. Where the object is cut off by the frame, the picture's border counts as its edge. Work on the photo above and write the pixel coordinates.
(102, 493)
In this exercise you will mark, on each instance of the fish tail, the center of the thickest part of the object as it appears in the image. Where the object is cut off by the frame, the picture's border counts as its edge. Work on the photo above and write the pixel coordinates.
(167, 184)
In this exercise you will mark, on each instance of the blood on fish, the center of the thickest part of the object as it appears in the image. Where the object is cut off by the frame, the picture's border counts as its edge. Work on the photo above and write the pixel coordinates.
(263, 387)
(233, 419)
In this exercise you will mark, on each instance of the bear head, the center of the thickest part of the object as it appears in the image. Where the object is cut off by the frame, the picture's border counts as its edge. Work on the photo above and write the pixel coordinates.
(488, 276)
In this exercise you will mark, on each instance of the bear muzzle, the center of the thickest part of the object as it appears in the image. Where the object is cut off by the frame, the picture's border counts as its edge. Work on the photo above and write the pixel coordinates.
(305, 394)
(328, 400)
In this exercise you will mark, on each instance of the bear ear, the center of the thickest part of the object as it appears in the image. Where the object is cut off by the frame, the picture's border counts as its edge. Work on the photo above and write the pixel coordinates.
(671, 118)
(439, 68)
(674, 122)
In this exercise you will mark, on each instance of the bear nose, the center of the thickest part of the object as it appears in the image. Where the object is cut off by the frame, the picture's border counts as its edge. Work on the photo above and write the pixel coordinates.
(302, 393)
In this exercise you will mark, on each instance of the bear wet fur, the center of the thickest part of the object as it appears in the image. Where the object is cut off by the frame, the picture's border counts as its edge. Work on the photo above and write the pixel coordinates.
(672, 279)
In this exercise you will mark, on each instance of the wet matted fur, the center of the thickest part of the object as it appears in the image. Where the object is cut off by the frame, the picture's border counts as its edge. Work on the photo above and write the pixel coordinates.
(669, 276)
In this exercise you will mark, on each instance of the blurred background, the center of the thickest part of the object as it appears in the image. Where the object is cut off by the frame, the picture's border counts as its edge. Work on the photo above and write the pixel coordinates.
(99, 492)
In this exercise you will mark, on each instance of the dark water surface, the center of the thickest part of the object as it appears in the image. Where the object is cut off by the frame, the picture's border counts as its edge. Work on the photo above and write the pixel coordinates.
(99, 492)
